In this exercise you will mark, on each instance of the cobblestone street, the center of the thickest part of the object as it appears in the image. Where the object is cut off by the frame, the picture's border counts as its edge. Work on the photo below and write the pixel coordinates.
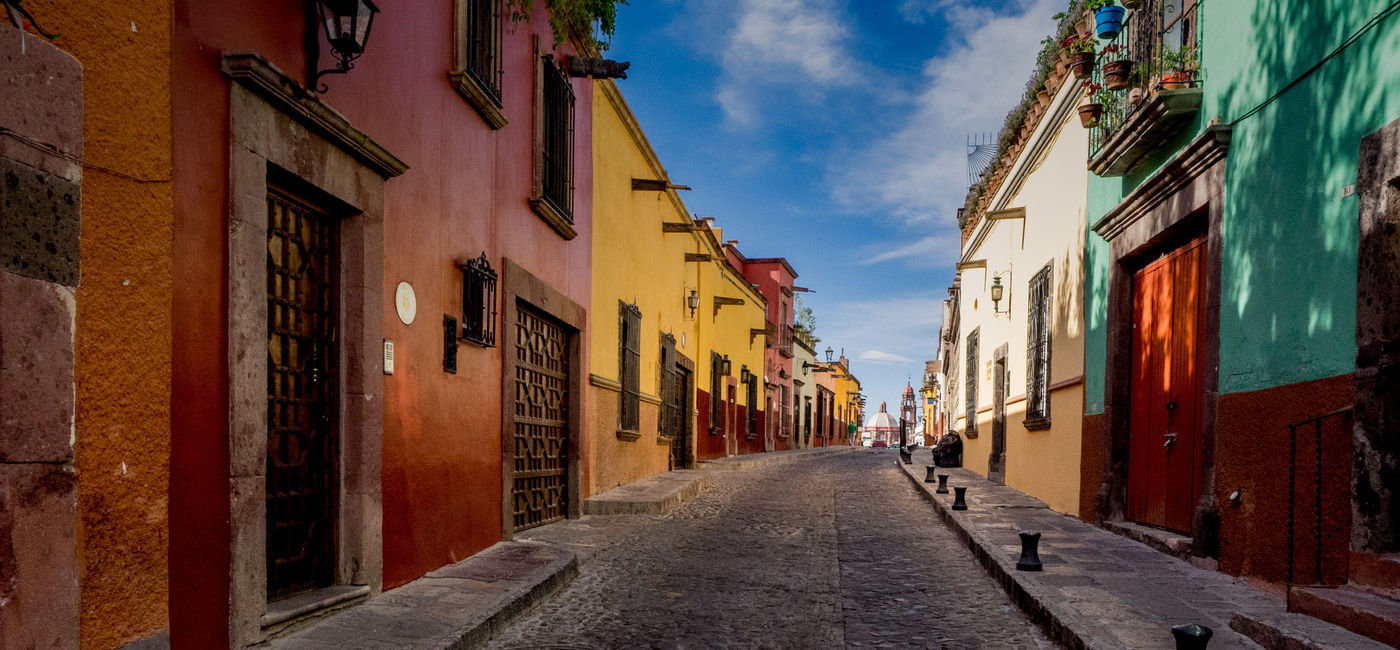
(818, 553)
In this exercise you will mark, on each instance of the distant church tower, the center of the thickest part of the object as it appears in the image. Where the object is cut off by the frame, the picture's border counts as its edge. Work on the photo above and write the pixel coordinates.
(908, 413)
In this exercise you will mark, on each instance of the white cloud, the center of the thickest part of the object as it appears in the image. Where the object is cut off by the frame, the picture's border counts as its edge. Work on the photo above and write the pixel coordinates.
(876, 356)
(788, 44)
(934, 251)
(919, 171)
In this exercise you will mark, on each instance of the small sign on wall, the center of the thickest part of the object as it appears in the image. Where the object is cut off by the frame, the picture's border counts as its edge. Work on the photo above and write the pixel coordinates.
(388, 357)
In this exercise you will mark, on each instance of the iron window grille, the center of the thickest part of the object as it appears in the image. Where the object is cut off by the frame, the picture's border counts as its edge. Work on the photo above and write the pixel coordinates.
(753, 405)
(670, 424)
(716, 393)
(483, 45)
(629, 366)
(1038, 347)
(479, 301)
(557, 139)
(971, 389)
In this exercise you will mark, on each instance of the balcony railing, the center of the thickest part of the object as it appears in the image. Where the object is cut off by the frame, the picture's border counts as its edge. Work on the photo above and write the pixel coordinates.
(1162, 41)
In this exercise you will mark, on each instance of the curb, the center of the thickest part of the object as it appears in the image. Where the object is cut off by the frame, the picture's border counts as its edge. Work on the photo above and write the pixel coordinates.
(515, 606)
(1058, 624)
(680, 492)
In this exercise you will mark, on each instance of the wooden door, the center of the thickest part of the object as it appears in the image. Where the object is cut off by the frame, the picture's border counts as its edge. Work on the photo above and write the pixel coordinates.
(540, 481)
(303, 396)
(996, 463)
(1164, 462)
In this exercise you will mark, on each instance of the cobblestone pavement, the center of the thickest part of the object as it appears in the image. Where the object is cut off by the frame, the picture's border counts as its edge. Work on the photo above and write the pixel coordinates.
(771, 558)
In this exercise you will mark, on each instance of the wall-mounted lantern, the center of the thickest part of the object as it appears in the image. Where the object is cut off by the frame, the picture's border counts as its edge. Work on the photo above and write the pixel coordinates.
(999, 292)
(828, 354)
(725, 366)
(745, 375)
(693, 302)
(347, 24)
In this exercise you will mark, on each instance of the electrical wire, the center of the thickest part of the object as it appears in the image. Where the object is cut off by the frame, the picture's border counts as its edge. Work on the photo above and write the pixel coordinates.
(49, 149)
(1370, 24)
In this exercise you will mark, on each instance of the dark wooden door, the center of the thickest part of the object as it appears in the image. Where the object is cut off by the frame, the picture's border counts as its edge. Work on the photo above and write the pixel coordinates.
(540, 481)
(996, 463)
(675, 406)
(303, 396)
(1164, 462)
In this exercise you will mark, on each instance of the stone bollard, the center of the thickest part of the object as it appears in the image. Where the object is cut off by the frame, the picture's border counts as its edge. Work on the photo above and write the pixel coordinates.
(1030, 552)
(1191, 637)
(929, 478)
(959, 498)
(942, 484)
(906, 456)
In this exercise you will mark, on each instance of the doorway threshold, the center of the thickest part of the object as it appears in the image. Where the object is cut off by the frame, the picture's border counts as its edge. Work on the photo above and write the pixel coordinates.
(1169, 542)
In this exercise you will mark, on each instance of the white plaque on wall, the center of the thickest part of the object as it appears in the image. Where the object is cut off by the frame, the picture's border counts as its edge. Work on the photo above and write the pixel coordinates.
(406, 303)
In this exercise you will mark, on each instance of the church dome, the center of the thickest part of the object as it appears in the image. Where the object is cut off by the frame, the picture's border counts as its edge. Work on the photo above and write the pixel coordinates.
(882, 420)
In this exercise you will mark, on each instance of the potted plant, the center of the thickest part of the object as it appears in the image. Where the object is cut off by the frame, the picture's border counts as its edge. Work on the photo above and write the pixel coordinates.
(1108, 17)
(1178, 69)
(1117, 68)
(1081, 54)
(1095, 99)
(1132, 4)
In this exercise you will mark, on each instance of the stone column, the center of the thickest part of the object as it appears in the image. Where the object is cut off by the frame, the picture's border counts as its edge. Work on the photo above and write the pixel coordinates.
(41, 131)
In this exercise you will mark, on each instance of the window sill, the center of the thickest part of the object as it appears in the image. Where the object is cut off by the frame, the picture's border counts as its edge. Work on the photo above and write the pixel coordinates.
(552, 215)
(487, 106)
(664, 440)
(1036, 424)
(628, 436)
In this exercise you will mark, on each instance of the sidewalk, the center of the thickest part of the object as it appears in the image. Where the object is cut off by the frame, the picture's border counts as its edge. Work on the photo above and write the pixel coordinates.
(1101, 590)
(465, 604)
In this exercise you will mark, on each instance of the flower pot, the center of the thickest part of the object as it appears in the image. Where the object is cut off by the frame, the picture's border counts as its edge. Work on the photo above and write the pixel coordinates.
(1115, 74)
(1132, 4)
(1089, 113)
(1082, 64)
(1135, 96)
(1176, 80)
(1109, 21)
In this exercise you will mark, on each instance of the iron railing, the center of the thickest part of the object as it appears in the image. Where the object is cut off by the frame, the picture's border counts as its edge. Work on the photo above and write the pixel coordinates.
(1325, 481)
(557, 159)
(483, 45)
(1162, 39)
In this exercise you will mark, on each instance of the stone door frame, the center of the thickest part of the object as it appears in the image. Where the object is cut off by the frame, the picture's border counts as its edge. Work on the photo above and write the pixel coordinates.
(278, 131)
(1185, 194)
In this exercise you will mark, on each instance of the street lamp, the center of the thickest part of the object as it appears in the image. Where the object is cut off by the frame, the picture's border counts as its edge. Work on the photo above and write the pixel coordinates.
(347, 24)
(745, 375)
(693, 302)
(828, 354)
(725, 367)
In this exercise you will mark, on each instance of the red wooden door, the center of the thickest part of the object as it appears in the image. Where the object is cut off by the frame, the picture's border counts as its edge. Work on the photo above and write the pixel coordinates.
(1164, 458)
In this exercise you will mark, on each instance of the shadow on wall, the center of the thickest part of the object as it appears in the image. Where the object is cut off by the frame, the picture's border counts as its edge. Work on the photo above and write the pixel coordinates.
(1288, 299)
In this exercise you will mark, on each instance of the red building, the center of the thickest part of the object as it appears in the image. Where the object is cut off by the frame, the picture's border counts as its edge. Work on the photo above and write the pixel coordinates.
(774, 278)
(346, 247)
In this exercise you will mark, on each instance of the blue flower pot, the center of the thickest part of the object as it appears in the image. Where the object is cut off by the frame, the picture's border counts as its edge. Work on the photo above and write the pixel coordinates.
(1109, 22)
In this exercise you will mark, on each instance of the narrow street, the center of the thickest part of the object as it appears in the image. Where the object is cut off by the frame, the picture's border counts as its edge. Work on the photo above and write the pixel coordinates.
(820, 553)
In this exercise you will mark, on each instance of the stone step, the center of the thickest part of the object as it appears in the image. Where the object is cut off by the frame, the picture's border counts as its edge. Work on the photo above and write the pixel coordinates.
(1376, 571)
(1365, 612)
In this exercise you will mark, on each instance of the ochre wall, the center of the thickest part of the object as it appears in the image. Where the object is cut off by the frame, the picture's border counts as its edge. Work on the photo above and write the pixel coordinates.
(122, 343)
(1045, 464)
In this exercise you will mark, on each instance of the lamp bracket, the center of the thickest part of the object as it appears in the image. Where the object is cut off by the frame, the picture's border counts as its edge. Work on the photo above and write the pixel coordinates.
(655, 185)
(671, 226)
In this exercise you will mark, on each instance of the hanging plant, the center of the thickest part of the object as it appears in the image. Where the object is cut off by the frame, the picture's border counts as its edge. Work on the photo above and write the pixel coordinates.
(1081, 54)
(1108, 17)
(1117, 68)
(1096, 100)
(593, 22)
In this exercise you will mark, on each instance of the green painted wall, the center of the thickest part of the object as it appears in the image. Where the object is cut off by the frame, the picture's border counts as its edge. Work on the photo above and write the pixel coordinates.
(1288, 298)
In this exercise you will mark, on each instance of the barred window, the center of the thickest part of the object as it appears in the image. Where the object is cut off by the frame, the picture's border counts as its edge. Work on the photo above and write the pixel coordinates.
(1038, 347)
(672, 398)
(553, 199)
(629, 366)
(476, 73)
(971, 389)
(753, 405)
(479, 302)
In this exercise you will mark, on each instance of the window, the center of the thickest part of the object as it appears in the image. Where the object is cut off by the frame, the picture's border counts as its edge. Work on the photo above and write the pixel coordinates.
(670, 424)
(629, 367)
(554, 169)
(971, 389)
(716, 392)
(476, 73)
(753, 405)
(479, 302)
(1038, 351)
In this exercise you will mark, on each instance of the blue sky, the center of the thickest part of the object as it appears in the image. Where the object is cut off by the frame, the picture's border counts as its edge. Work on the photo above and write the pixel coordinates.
(832, 133)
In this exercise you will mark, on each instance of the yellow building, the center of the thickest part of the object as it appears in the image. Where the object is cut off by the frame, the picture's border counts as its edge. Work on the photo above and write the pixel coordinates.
(928, 403)
(1019, 287)
(667, 311)
(847, 408)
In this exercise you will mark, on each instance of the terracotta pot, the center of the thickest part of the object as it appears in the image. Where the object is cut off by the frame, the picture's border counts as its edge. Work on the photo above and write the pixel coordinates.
(1115, 74)
(1082, 64)
(1135, 96)
(1132, 4)
(1176, 80)
(1088, 113)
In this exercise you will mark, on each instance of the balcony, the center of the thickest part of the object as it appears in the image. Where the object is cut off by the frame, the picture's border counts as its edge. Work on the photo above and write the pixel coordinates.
(1161, 39)
(785, 341)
